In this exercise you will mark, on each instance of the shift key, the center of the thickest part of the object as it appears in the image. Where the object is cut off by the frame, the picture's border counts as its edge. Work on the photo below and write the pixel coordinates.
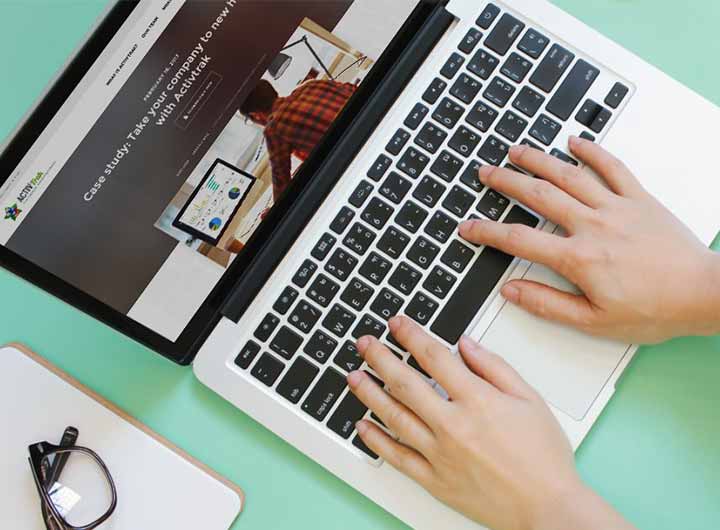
(573, 89)
(552, 68)
(325, 393)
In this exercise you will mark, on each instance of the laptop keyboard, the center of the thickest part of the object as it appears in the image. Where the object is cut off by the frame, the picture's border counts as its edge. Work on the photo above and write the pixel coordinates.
(393, 247)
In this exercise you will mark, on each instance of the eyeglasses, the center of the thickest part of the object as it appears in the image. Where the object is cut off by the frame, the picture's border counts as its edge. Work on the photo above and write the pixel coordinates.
(84, 497)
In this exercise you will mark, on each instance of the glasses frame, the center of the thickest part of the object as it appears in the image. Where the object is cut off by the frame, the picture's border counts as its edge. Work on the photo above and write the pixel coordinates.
(44, 450)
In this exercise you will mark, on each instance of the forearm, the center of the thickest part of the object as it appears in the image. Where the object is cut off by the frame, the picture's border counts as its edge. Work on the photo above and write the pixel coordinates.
(709, 302)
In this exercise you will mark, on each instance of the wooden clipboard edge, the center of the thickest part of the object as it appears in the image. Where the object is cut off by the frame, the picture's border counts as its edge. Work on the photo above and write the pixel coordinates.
(130, 419)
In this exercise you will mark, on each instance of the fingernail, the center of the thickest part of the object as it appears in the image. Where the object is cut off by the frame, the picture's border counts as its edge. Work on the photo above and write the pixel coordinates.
(574, 141)
(361, 427)
(466, 226)
(467, 344)
(394, 323)
(511, 293)
(517, 150)
(484, 172)
(363, 343)
(354, 378)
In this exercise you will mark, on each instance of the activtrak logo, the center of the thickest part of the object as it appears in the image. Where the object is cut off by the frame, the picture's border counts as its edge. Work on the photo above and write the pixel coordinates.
(12, 212)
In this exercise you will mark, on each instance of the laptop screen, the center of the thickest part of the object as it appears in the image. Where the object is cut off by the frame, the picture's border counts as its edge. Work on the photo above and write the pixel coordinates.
(157, 170)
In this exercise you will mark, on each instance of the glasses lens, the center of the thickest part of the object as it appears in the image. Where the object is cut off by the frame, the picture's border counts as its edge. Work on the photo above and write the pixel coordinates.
(82, 493)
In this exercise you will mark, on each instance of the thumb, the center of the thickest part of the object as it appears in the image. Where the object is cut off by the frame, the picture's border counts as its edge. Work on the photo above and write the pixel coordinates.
(550, 303)
(494, 369)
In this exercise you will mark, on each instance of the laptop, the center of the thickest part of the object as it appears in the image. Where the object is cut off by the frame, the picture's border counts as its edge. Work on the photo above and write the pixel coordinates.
(250, 189)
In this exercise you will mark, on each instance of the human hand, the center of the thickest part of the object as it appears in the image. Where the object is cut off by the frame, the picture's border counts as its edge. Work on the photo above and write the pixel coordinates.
(644, 276)
(494, 452)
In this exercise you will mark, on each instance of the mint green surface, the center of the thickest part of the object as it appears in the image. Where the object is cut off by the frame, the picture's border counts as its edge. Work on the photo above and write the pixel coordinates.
(655, 453)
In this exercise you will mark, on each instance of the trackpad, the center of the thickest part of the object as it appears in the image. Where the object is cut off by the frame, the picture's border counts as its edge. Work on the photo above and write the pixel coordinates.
(567, 367)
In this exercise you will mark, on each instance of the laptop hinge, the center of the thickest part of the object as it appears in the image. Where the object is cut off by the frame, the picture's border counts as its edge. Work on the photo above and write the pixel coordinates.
(323, 181)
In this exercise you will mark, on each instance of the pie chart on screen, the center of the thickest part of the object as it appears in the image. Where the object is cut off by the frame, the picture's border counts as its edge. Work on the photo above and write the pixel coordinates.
(234, 193)
(215, 224)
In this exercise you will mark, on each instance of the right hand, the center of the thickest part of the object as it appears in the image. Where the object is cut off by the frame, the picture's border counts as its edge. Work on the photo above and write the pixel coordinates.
(644, 276)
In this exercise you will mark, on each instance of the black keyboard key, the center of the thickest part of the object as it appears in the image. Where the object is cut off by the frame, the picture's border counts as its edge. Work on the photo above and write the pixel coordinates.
(413, 162)
(323, 290)
(488, 16)
(532, 144)
(414, 364)
(267, 369)
(593, 115)
(457, 256)
(375, 268)
(247, 355)
(616, 95)
(357, 294)
(397, 142)
(416, 116)
(587, 136)
(411, 217)
(572, 90)
(459, 201)
(429, 191)
(563, 156)
(423, 252)
(323, 247)
(357, 442)
(369, 326)
(387, 304)
(466, 88)
(286, 300)
(552, 68)
(545, 129)
(521, 216)
(393, 242)
(446, 166)
(303, 275)
(516, 68)
(483, 64)
(464, 141)
(528, 101)
(504, 34)
(286, 342)
(471, 178)
(341, 264)
(493, 205)
(421, 308)
(305, 316)
(361, 194)
(348, 357)
(266, 327)
(379, 168)
(324, 394)
(439, 282)
(346, 415)
(405, 278)
(601, 120)
(342, 220)
(395, 188)
(533, 43)
(440, 227)
(338, 320)
(452, 66)
(320, 347)
(377, 213)
(482, 116)
(448, 113)
(511, 126)
(297, 380)
(434, 91)
(430, 137)
(494, 151)
(471, 40)
(359, 239)
(499, 92)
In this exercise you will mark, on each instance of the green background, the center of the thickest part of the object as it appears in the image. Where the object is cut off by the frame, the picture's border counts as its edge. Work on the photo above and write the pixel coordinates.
(654, 453)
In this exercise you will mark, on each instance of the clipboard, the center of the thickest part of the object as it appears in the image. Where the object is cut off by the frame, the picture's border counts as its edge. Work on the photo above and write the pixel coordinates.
(158, 484)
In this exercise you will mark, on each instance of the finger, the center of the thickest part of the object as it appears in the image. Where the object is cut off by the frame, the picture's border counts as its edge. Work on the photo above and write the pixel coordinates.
(565, 176)
(434, 358)
(612, 170)
(404, 383)
(401, 457)
(551, 304)
(495, 370)
(399, 419)
(518, 240)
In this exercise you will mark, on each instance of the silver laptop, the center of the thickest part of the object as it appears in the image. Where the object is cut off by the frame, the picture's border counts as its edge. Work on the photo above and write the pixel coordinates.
(150, 189)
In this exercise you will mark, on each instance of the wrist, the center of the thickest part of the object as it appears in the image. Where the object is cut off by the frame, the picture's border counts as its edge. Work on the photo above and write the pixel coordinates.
(708, 320)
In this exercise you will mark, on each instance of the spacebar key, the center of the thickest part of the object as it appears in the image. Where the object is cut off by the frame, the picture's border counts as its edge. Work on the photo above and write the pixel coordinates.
(478, 284)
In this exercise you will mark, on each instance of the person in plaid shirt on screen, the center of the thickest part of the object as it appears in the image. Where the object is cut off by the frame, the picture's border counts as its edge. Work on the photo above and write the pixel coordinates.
(295, 124)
